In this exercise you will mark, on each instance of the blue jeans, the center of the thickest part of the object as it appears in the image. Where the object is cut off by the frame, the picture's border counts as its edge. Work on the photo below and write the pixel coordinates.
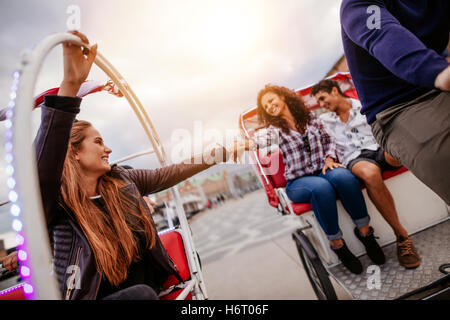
(320, 191)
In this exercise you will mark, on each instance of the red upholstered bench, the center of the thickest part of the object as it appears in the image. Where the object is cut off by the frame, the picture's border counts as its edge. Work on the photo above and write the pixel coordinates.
(13, 293)
(173, 242)
(174, 295)
(392, 173)
(274, 166)
(300, 208)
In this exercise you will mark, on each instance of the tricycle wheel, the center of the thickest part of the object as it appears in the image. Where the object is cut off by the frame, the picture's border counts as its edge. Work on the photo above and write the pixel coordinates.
(317, 274)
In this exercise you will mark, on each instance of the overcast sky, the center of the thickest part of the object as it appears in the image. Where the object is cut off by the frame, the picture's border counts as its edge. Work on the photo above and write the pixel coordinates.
(196, 62)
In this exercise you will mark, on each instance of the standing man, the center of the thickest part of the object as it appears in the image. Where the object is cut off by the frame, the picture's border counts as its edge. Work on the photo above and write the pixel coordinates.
(358, 150)
(396, 54)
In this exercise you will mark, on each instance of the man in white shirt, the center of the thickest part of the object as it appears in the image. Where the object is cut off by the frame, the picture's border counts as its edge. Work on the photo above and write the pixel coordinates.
(358, 150)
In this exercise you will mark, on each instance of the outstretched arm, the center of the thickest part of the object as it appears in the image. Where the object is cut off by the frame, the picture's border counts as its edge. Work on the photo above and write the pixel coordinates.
(151, 181)
(58, 114)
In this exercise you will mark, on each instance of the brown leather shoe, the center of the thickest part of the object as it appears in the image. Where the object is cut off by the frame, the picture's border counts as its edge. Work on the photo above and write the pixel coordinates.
(407, 254)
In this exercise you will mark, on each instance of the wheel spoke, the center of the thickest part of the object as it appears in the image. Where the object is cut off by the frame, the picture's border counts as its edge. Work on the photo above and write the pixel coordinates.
(315, 270)
(314, 277)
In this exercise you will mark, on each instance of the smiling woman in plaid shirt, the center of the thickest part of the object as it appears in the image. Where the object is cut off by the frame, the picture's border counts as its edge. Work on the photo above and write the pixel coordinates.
(313, 173)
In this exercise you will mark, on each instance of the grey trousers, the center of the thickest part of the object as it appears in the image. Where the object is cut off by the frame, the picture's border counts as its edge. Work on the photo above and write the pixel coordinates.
(417, 133)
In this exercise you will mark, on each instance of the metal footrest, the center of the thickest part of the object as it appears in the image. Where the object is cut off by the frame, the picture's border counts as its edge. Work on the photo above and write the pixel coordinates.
(392, 280)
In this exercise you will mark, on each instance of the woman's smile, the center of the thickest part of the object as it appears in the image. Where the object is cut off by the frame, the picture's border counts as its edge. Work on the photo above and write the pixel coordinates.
(94, 154)
(273, 104)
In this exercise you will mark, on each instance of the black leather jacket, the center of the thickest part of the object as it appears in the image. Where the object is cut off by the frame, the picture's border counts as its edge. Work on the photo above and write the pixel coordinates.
(74, 261)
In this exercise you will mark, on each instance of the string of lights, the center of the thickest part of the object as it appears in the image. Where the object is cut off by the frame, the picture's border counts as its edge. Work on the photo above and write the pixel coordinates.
(13, 195)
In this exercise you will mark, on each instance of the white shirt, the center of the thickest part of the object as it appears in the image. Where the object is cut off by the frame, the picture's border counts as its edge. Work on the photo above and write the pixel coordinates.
(352, 136)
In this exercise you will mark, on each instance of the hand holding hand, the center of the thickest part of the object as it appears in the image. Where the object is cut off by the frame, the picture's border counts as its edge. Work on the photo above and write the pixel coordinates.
(150, 204)
(239, 147)
(77, 64)
(330, 164)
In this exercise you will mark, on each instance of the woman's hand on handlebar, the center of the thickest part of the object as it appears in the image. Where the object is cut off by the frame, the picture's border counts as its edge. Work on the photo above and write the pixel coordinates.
(77, 64)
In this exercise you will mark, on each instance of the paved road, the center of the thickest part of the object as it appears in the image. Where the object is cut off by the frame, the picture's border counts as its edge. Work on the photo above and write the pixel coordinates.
(238, 225)
(247, 252)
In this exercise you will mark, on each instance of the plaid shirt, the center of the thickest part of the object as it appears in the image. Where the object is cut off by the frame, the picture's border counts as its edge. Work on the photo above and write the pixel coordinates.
(298, 160)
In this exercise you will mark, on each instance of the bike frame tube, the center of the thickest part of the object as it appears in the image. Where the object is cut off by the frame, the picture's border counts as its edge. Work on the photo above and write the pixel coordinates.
(191, 254)
(256, 158)
(27, 185)
(133, 156)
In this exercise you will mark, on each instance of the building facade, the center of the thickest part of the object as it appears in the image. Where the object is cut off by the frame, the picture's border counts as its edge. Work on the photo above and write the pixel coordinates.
(225, 183)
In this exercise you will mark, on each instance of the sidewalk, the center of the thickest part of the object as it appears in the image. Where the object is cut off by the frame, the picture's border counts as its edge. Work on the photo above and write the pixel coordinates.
(247, 252)
(266, 271)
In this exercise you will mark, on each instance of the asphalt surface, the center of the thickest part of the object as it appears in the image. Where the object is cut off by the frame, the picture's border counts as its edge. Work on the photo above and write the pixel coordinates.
(247, 252)
(238, 225)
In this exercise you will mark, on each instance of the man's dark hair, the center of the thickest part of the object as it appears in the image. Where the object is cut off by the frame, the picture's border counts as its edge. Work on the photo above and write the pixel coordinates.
(326, 86)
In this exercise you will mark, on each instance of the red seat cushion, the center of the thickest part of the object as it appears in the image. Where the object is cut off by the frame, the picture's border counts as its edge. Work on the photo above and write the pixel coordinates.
(274, 166)
(174, 295)
(173, 242)
(393, 173)
(15, 293)
(300, 208)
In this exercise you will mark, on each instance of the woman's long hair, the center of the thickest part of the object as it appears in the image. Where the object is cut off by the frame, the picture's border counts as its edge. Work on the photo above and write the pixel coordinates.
(110, 235)
(295, 104)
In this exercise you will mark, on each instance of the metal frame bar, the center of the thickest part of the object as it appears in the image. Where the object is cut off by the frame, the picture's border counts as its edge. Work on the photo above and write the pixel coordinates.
(255, 155)
(187, 287)
(329, 77)
(133, 156)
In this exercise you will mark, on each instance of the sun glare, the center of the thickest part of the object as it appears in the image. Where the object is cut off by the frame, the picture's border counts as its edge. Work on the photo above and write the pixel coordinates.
(228, 33)
(211, 30)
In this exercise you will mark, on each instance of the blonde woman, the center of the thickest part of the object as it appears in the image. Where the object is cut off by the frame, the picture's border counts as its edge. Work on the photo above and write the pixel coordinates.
(99, 224)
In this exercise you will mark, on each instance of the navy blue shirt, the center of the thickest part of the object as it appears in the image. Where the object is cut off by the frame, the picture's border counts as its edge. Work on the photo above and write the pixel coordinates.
(399, 60)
